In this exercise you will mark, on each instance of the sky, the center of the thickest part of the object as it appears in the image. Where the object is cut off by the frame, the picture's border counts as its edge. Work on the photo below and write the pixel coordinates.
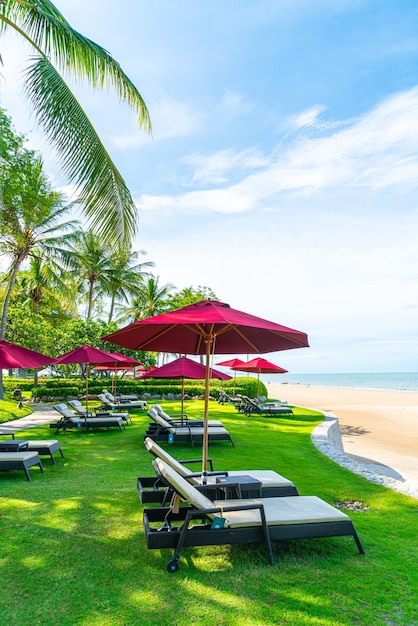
(282, 171)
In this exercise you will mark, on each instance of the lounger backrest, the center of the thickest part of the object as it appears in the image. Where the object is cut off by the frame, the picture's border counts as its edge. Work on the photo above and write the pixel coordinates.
(152, 413)
(186, 491)
(104, 398)
(162, 422)
(162, 413)
(159, 453)
(64, 410)
(109, 395)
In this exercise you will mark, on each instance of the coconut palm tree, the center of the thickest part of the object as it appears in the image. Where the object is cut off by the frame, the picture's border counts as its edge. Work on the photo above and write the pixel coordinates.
(126, 277)
(151, 300)
(60, 50)
(89, 258)
(46, 280)
(31, 219)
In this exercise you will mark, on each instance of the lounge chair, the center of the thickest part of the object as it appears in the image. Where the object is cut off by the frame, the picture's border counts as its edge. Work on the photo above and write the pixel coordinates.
(181, 419)
(269, 409)
(265, 482)
(70, 420)
(164, 431)
(82, 411)
(120, 397)
(237, 521)
(44, 447)
(20, 461)
(110, 405)
(225, 398)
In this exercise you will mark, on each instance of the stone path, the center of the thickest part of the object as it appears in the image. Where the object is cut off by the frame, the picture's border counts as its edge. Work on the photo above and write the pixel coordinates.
(42, 414)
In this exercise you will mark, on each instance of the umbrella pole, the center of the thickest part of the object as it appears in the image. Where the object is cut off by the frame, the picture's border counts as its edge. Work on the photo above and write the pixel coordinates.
(87, 391)
(182, 400)
(206, 413)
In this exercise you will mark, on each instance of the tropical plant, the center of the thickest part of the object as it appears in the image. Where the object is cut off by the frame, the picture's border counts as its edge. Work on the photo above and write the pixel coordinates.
(151, 300)
(89, 258)
(31, 214)
(60, 50)
(125, 277)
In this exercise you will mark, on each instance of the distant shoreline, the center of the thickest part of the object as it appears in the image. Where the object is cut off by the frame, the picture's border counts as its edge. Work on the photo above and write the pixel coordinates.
(380, 425)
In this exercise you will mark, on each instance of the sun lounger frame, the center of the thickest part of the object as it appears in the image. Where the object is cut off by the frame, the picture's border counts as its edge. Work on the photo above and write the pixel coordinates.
(187, 535)
(20, 461)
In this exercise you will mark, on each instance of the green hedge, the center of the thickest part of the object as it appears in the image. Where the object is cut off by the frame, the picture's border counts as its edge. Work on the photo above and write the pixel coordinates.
(63, 387)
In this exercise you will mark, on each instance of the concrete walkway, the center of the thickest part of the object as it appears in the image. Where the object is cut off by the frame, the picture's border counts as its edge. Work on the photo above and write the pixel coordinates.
(42, 414)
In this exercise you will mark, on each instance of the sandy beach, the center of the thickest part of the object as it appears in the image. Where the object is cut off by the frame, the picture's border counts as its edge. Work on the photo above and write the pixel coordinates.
(379, 426)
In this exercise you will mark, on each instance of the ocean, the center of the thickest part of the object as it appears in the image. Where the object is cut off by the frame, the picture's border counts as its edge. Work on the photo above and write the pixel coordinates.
(407, 381)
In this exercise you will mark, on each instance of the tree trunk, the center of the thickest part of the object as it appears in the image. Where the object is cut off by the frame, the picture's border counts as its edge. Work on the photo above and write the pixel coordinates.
(4, 315)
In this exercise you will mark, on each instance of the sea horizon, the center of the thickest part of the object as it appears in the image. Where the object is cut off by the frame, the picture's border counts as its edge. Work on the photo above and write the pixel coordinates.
(388, 381)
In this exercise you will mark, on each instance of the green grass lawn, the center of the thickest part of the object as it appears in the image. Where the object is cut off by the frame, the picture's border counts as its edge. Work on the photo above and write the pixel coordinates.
(73, 549)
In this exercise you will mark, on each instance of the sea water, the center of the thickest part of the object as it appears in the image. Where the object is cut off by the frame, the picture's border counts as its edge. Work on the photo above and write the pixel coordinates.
(406, 381)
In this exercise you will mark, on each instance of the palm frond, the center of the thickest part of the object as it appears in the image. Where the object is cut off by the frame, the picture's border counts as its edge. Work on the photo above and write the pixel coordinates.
(81, 57)
(103, 193)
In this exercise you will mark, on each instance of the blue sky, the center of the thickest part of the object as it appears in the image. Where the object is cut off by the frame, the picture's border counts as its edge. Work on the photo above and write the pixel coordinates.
(283, 167)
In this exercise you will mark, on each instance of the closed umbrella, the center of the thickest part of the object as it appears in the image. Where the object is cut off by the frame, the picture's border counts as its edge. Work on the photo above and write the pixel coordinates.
(183, 368)
(207, 327)
(259, 366)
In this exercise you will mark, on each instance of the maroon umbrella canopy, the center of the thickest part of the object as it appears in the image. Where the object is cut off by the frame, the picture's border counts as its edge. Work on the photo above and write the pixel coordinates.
(184, 368)
(86, 355)
(12, 355)
(231, 363)
(208, 327)
(121, 362)
(259, 366)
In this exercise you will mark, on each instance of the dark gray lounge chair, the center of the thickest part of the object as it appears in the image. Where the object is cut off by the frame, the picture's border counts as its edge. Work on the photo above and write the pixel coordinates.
(82, 412)
(181, 419)
(20, 461)
(163, 431)
(266, 482)
(113, 405)
(70, 420)
(237, 521)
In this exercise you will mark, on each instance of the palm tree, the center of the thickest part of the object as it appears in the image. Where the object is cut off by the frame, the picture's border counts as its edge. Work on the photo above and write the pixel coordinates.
(151, 300)
(89, 257)
(59, 49)
(46, 280)
(126, 277)
(30, 220)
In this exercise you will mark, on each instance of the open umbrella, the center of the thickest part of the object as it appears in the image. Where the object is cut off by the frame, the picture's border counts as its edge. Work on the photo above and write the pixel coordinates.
(231, 363)
(184, 368)
(12, 355)
(259, 366)
(207, 327)
(121, 362)
(86, 355)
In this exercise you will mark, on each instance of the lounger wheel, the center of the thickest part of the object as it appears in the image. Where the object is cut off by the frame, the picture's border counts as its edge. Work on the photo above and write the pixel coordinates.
(172, 566)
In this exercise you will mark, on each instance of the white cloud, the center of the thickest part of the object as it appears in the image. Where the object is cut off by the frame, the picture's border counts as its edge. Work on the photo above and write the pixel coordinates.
(308, 117)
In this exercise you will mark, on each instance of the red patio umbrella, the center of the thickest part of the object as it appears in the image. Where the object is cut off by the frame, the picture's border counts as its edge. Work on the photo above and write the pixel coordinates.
(86, 355)
(231, 363)
(207, 327)
(259, 366)
(121, 362)
(12, 355)
(184, 368)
